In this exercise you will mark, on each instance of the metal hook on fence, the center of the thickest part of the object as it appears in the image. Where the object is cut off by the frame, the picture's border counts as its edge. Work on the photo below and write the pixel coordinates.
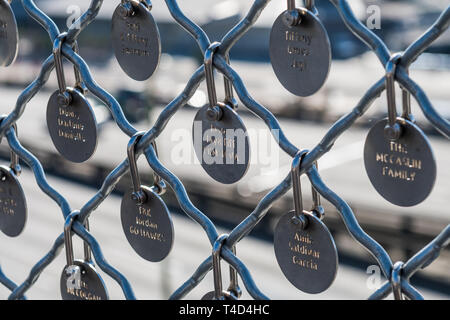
(73, 271)
(297, 189)
(14, 158)
(158, 184)
(214, 111)
(64, 97)
(293, 16)
(127, 6)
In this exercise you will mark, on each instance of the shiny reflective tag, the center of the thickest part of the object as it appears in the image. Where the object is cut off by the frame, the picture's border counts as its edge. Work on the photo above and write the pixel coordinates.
(222, 147)
(136, 41)
(300, 55)
(13, 207)
(307, 257)
(90, 284)
(148, 227)
(73, 129)
(403, 171)
(9, 36)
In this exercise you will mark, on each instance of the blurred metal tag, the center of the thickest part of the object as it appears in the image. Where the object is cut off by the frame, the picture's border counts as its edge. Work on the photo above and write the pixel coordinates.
(222, 147)
(91, 285)
(208, 296)
(300, 55)
(211, 296)
(9, 36)
(136, 41)
(404, 171)
(13, 207)
(308, 257)
(73, 129)
(148, 227)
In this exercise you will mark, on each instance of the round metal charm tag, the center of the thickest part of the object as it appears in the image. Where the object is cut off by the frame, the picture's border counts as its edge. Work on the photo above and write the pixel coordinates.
(148, 227)
(300, 55)
(403, 171)
(308, 257)
(13, 207)
(222, 147)
(73, 129)
(136, 41)
(91, 284)
(9, 35)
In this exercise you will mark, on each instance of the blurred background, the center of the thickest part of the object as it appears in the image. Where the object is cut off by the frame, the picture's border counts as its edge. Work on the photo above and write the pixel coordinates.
(402, 231)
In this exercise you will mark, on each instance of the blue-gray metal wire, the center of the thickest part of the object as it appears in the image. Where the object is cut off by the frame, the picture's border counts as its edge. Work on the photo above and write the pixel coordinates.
(398, 273)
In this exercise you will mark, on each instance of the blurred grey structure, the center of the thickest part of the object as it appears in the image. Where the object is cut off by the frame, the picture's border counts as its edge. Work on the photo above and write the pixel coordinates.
(402, 231)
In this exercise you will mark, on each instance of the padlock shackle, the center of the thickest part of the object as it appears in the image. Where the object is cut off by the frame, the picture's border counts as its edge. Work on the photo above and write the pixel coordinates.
(317, 208)
(296, 184)
(309, 4)
(87, 249)
(57, 54)
(229, 94)
(406, 101)
(14, 157)
(138, 193)
(234, 280)
(158, 183)
(78, 79)
(147, 3)
(393, 129)
(68, 237)
(14, 162)
(209, 73)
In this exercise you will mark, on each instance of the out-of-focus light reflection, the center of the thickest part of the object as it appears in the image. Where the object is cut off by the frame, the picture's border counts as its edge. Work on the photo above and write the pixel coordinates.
(198, 100)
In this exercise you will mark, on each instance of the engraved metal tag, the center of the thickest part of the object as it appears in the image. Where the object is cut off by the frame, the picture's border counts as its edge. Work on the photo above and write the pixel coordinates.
(222, 146)
(136, 41)
(9, 36)
(13, 207)
(402, 171)
(300, 55)
(90, 285)
(148, 227)
(73, 129)
(308, 257)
